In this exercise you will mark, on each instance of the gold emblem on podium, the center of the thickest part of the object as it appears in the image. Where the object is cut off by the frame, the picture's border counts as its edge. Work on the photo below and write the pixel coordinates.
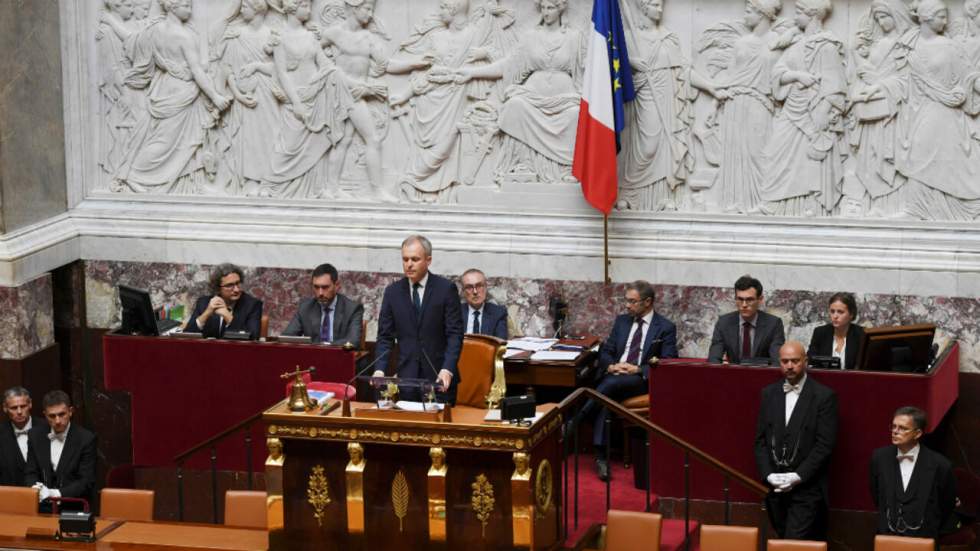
(543, 489)
(399, 497)
(482, 501)
(318, 493)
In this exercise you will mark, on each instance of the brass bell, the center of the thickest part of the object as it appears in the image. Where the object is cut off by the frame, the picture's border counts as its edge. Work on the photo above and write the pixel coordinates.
(299, 399)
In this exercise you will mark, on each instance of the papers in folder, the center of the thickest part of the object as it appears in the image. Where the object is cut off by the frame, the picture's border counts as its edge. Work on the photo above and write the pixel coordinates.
(406, 405)
(555, 355)
(533, 344)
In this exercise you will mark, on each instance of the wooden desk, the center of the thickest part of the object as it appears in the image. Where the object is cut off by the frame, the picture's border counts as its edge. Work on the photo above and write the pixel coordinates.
(375, 483)
(522, 371)
(133, 536)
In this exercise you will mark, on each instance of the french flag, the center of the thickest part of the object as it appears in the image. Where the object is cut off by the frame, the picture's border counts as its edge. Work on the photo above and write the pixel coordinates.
(607, 85)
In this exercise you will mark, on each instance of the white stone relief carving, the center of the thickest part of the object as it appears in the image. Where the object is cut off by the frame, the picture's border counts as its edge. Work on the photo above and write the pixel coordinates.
(414, 101)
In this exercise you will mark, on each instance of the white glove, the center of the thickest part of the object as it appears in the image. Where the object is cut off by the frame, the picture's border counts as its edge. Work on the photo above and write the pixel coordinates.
(54, 493)
(790, 480)
(378, 373)
(42, 492)
(775, 480)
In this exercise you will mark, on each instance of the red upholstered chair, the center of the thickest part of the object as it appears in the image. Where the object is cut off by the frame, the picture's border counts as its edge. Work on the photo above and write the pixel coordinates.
(729, 538)
(896, 543)
(264, 327)
(246, 509)
(338, 389)
(632, 531)
(796, 545)
(639, 405)
(15, 500)
(127, 504)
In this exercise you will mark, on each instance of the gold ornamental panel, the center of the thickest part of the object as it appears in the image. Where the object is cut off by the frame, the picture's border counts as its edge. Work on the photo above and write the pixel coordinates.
(482, 501)
(399, 497)
(318, 493)
(355, 488)
(543, 489)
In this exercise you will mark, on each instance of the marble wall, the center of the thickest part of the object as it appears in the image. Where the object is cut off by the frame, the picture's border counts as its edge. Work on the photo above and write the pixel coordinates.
(26, 321)
(32, 131)
(592, 305)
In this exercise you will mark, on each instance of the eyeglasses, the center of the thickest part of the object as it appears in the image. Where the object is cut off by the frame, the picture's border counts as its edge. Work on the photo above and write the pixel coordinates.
(232, 285)
(901, 429)
(475, 287)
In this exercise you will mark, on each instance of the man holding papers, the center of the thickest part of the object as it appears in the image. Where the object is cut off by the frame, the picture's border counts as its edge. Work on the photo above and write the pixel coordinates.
(637, 336)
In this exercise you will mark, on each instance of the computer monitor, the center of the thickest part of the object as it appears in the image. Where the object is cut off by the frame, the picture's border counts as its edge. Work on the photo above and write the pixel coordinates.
(137, 312)
(900, 348)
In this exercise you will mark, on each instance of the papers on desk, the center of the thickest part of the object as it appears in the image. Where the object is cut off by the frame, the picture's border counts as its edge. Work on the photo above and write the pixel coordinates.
(321, 396)
(533, 344)
(555, 355)
(406, 405)
(511, 352)
(493, 416)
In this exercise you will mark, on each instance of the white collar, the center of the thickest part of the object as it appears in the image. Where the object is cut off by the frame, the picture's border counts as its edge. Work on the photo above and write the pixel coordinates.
(422, 282)
(914, 452)
(51, 433)
(27, 426)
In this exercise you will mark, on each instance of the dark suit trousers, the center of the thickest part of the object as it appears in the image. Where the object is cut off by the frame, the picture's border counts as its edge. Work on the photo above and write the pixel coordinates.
(800, 514)
(618, 388)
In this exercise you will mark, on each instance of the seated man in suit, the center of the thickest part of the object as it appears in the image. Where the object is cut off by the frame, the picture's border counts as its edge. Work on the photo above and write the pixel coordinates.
(479, 315)
(421, 310)
(636, 336)
(61, 456)
(328, 317)
(912, 486)
(795, 436)
(228, 308)
(747, 333)
(13, 435)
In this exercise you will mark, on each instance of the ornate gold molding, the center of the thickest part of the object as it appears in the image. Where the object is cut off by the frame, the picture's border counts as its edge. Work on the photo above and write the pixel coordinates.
(475, 441)
(543, 489)
(399, 497)
(273, 484)
(355, 488)
(482, 501)
(318, 493)
(521, 504)
(437, 495)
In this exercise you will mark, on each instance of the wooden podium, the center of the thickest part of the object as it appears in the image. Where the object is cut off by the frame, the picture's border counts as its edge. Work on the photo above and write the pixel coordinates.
(377, 482)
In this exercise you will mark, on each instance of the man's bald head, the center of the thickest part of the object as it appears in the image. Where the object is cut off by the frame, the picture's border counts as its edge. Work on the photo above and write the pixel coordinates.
(792, 360)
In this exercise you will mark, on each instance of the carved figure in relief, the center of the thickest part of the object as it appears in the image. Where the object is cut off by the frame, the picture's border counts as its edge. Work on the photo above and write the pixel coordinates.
(655, 158)
(357, 47)
(118, 103)
(436, 49)
(877, 96)
(938, 153)
(141, 9)
(746, 52)
(245, 70)
(539, 115)
(165, 154)
(318, 105)
(804, 172)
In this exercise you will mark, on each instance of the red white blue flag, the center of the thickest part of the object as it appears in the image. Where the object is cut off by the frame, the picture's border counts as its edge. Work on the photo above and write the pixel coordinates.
(607, 85)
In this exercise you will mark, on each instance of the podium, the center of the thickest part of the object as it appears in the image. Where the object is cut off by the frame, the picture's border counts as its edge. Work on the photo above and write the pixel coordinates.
(377, 481)
(715, 406)
(216, 383)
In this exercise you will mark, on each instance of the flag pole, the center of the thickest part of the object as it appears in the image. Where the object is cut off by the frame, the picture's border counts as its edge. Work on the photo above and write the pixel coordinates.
(605, 248)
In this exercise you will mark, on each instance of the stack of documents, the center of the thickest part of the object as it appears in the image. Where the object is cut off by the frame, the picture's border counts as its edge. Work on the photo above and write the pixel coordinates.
(533, 344)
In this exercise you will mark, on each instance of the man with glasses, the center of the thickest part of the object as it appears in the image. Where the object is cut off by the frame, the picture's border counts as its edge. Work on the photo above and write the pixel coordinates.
(795, 436)
(912, 486)
(479, 315)
(747, 333)
(636, 336)
(327, 317)
(228, 308)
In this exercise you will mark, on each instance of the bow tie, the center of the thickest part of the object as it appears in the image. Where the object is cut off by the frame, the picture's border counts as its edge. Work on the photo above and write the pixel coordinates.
(787, 388)
(910, 457)
(59, 436)
(19, 432)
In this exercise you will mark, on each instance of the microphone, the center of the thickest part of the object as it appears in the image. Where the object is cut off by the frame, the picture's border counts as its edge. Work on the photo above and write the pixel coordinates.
(346, 411)
(432, 367)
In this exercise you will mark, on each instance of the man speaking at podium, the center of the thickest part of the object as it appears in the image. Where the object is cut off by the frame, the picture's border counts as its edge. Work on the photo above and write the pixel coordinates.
(422, 312)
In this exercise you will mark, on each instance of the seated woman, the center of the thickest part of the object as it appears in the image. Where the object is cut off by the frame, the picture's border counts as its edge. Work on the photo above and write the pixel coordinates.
(228, 308)
(841, 337)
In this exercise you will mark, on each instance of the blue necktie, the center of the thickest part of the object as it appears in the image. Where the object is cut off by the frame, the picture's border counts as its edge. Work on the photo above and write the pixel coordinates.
(634, 354)
(476, 321)
(416, 300)
(326, 331)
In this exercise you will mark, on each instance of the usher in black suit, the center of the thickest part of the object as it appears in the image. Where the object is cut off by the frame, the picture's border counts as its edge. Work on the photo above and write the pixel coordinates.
(925, 508)
(803, 447)
(75, 475)
(12, 462)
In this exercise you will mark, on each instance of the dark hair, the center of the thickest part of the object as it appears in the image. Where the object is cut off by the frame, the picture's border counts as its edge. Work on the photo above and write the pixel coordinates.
(325, 269)
(918, 416)
(16, 392)
(642, 287)
(847, 299)
(219, 272)
(55, 398)
(747, 282)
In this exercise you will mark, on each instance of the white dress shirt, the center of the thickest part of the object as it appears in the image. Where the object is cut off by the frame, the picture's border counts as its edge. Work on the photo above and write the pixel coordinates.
(58, 446)
(907, 465)
(792, 397)
(422, 284)
(21, 435)
(843, 351)
(469, 318)
(643, 336)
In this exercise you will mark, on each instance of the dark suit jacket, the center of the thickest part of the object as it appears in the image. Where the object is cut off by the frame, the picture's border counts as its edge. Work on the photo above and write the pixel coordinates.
(822, 343)
(247, 314)
(439, 330)
(661, 341)
(347, 318)
(12, 463)
(806, 443)
(769, 336)
(75, 476)
(929, 500)
(492, 322)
